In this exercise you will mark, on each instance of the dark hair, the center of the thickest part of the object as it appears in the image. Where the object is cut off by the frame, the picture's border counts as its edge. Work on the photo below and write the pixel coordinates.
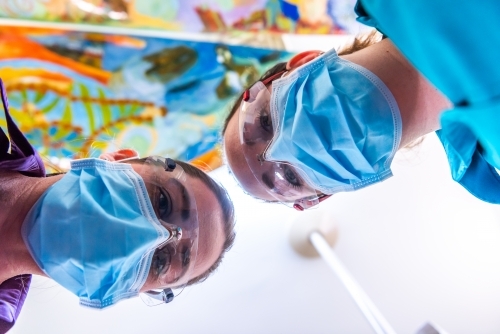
(227, 213)
(359, 42)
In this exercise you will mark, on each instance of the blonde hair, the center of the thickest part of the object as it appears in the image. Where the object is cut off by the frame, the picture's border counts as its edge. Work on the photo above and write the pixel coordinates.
(360, 42)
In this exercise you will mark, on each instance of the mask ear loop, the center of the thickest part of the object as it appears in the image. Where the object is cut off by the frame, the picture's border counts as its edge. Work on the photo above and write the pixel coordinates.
(246, 93)
(165, 295)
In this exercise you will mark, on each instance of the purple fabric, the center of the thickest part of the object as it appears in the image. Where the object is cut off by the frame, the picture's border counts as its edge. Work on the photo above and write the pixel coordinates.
(23, 158)
(12, 295)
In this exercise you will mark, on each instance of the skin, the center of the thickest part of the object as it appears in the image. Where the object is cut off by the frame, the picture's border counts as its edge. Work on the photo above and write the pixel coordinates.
(19, 193)
(419, 102)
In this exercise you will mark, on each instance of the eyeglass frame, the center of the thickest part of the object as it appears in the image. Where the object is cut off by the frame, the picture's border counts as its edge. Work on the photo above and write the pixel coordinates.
(246, 96)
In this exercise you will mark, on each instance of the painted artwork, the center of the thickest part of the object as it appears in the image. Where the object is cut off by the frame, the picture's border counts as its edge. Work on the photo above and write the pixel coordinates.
(80, 94)
(279, 16)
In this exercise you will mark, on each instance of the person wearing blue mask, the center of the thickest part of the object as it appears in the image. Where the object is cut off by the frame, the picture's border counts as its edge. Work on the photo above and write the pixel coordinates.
(109, 228)
(324, 123)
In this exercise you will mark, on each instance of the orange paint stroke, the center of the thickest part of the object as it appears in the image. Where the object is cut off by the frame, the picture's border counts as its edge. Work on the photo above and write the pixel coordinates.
(33, 31)
(126, 41)
(14, 46)
(208, 161)
(9, 73)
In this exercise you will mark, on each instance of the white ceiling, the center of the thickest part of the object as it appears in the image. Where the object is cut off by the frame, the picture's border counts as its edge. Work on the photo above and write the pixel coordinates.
(421, 247)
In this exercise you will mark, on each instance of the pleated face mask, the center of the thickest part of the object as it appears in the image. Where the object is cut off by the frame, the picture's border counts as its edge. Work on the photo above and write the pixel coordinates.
(329, 126)
(104, 227)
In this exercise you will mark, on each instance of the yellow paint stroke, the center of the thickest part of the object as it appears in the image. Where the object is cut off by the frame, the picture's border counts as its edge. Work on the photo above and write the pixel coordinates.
(29, 118)
(153, 111)
(15, 46)
(138, 20)
(208, 120)
(39, 76)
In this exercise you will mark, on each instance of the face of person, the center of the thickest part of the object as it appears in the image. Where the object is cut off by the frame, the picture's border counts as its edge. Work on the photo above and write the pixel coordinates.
(263, 180)
(247, 136)
(184, 204)
(185, 201)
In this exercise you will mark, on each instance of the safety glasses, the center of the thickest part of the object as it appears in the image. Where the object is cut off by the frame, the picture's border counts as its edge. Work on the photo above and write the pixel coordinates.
(174, 205)
(284, 182)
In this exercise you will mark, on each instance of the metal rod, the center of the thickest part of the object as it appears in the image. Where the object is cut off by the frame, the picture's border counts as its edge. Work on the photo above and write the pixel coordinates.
(365, 305)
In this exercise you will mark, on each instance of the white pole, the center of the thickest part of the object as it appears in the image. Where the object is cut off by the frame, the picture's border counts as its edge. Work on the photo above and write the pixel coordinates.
(366, 306)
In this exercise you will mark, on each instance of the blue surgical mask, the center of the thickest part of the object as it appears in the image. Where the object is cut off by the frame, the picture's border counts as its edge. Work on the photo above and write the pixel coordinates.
(95, 232)
(336, 123)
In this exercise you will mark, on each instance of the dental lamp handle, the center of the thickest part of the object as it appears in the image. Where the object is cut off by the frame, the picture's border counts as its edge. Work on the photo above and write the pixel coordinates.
(365, 305)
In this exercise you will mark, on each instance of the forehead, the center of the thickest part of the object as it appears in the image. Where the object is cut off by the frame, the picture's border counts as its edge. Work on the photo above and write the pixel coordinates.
(237, 162)
(211, 227)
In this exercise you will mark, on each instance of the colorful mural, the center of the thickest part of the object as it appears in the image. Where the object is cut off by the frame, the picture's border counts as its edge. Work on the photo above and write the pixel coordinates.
(281, 16)
(78, 94)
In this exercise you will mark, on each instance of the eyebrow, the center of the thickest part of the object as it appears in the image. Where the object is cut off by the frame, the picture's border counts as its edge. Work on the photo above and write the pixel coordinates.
(267, 181)
(186, 201)
(185, 215)
(185, 264)
(249, 142)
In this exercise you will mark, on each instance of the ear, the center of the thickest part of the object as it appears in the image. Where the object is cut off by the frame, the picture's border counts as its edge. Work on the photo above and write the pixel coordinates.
(302, 58)
(122, 154)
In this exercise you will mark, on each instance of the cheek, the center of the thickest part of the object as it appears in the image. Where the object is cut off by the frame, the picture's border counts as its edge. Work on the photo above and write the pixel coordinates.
(151, 281)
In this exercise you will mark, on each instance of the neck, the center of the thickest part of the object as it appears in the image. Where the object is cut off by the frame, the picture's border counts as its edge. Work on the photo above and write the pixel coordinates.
(420, 104)
(18, 193)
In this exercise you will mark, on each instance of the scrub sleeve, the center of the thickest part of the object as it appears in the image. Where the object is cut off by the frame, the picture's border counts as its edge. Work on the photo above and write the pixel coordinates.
(16, 154)
(455, 45)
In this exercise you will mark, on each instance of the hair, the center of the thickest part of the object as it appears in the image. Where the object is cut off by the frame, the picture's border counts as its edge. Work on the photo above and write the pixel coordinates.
(360, 42)
(225, 203)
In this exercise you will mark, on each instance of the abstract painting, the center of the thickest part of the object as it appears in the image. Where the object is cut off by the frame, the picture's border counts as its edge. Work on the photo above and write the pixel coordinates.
(278, 16)
(77, 94)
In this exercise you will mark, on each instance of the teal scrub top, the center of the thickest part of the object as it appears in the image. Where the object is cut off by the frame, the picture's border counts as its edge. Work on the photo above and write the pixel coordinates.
(456, 45)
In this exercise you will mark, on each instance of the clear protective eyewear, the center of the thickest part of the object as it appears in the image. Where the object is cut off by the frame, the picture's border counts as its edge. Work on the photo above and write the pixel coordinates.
(283, 181)
(175, 207)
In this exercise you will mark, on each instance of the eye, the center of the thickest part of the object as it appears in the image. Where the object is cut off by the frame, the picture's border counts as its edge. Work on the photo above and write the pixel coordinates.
(162, 260)
(265, 121)
(164, 204)
(291, 177)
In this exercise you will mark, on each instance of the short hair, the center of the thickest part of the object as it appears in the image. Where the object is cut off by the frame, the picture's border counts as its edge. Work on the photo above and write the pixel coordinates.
(360, 42)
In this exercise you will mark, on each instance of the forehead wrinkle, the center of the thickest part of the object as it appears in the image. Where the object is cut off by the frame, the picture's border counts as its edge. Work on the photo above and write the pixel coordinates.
(210, 229)
(212, 243)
